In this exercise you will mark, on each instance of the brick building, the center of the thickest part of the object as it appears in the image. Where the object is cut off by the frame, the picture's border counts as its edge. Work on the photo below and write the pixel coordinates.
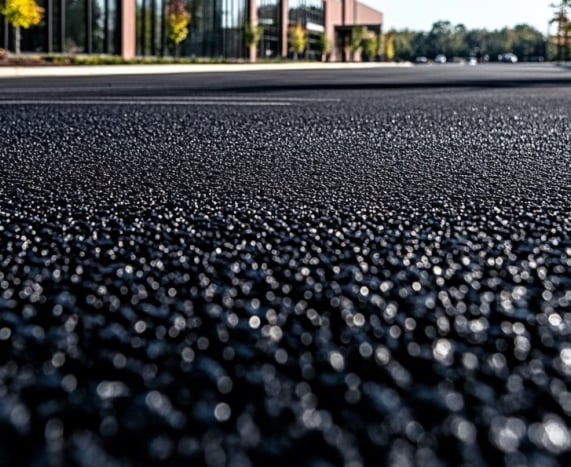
(137, 28)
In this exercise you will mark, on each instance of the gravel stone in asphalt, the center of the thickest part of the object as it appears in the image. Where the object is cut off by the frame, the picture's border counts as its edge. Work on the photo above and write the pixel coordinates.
(385, 280)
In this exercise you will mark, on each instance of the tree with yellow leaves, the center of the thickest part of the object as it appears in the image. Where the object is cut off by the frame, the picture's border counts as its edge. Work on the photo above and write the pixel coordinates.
(21, 14)
(297, 40)
(177, 19)
(389, 47)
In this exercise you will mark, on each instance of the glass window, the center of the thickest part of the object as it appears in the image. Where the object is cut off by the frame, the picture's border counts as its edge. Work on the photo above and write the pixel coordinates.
(92, 26)
(216, 29)
(75, 31)
(99, 17)
(4, 34)
(269, 17)
(309, 14)
(233, 19)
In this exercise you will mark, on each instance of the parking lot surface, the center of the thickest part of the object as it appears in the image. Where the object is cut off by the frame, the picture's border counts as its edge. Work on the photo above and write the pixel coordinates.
(359, 268)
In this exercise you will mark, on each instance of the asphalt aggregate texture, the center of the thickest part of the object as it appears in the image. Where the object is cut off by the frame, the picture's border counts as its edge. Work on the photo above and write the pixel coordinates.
(309, 269)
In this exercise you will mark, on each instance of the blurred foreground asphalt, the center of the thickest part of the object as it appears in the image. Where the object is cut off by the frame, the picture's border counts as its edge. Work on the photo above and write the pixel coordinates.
(318, 268)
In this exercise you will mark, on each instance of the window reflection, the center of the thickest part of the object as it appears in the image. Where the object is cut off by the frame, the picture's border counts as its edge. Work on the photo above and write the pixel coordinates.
(216, 29)
(309, 14)
(75, 15)
(104, 18)
(70, 26)
(269, 17)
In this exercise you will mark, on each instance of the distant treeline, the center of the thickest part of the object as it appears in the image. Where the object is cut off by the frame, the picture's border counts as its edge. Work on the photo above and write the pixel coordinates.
(457, 41)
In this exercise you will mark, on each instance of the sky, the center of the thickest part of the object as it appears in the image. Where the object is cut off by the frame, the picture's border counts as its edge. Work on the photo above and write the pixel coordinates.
(419, 15)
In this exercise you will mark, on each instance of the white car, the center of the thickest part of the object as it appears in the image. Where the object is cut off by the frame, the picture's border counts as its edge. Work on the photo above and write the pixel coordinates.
(508, 58)
(440, 59)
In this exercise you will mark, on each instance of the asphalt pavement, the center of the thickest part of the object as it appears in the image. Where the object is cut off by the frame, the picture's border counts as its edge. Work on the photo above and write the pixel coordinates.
(352, 267)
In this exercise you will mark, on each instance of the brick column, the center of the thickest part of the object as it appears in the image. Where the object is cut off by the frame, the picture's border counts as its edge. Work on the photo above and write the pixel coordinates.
(253, 17)
(127, 24)
(284, 26)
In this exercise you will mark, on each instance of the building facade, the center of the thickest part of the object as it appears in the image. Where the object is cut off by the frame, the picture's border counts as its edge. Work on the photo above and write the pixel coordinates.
(77, 26)
(137, 27)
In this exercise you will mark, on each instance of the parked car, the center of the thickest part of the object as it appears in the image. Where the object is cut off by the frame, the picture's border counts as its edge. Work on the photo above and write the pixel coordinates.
(440, 59)
(508, 58)
(421, 60)
(471, 61)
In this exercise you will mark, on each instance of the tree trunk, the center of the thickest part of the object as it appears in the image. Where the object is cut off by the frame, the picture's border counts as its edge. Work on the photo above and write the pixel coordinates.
(253, 52)
(17, 40)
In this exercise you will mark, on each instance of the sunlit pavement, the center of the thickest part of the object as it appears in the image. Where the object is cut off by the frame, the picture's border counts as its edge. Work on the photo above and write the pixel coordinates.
(113, 70)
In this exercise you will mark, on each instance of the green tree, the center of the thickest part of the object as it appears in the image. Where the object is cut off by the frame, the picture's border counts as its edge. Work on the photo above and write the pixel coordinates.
(402, 42)
(420, 44)
(475, 42)
(324, 46)
(297, 40)
(439, 39)
(458, 44)
(252, 35)
(527, 42)
(21, 14)
(372, 46)
(358, 36)
(177, 21)
(456, 41)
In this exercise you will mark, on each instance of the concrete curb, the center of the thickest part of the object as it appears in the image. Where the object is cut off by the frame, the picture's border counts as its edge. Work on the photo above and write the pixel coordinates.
(108, 70)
